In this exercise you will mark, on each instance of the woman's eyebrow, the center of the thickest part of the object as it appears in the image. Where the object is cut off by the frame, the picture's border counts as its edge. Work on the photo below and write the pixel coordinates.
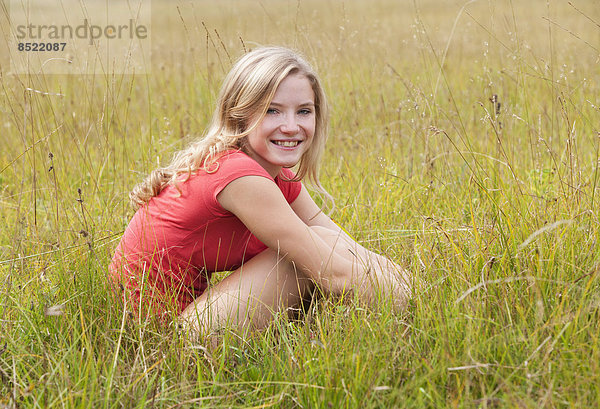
(304, 104)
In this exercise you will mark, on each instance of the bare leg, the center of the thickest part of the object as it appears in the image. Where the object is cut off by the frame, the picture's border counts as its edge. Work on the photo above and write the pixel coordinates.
(248, 297)
(269, 283)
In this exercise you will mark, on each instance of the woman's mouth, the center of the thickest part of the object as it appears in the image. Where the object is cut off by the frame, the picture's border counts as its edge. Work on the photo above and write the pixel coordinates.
(287, 144)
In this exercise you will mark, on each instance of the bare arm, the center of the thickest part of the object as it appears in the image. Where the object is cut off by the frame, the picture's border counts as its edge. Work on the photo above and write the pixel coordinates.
(311, 214)
(308, 237)
(260, 205)
(308, 211)
(388, 276)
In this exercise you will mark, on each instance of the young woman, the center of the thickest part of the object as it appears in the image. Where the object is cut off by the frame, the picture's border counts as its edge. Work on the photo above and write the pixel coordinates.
(229, 202)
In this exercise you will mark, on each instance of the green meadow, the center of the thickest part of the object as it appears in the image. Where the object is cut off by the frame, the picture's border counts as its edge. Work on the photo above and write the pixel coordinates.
(464, 144)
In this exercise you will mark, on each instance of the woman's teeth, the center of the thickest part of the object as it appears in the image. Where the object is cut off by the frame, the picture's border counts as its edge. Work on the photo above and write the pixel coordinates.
(288, 144)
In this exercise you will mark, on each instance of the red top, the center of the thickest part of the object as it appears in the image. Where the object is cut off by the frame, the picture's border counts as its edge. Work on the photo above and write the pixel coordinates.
(174, 242)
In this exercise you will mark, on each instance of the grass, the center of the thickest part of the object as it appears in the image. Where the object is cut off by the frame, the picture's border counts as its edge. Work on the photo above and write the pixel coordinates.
(492, 202)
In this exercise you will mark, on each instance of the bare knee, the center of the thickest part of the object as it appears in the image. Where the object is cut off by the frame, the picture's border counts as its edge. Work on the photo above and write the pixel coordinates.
(289, 280)
(250, 296)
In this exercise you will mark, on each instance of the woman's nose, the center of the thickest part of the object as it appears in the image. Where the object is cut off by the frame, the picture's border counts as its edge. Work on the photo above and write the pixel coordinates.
(290, 125)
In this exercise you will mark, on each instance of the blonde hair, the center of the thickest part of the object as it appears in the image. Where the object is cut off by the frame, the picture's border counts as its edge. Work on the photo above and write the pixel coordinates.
(246, 91)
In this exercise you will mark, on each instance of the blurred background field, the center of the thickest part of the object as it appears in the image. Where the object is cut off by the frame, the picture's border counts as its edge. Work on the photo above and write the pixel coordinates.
(464, 143)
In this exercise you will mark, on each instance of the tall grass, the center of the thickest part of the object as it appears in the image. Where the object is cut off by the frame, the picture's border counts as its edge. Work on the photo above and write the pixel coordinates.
(464, 144)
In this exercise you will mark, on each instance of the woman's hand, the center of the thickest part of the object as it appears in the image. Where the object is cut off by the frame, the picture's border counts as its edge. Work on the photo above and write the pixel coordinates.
(393, 279)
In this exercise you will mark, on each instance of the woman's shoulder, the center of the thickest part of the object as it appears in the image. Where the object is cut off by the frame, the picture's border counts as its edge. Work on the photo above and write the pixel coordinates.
(236, 163)
(236, 159)
(225, 167)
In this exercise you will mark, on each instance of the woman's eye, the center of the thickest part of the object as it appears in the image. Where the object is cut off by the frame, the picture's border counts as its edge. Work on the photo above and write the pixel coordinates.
(305, 112)
(271, 111)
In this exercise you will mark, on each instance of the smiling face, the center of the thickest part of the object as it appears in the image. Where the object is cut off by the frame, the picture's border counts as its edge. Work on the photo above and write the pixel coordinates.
(287, 129)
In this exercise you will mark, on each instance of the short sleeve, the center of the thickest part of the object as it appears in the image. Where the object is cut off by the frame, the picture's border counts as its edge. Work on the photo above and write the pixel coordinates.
(231, 166)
